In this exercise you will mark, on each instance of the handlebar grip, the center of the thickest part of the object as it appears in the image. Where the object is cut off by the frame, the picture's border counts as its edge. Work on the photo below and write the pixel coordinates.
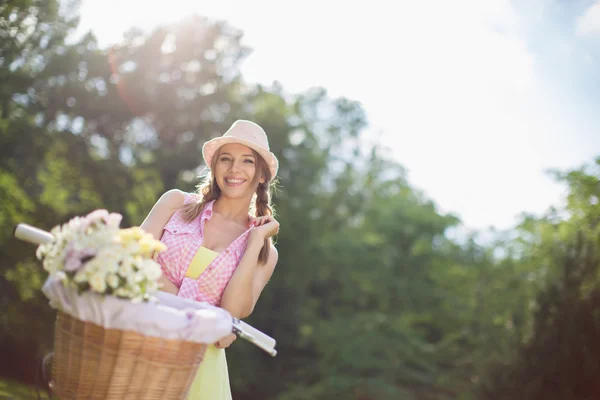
(31, 234)
(261, 336)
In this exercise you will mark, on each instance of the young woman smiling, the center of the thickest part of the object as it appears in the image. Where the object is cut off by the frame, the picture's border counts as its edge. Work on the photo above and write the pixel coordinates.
(219, 239)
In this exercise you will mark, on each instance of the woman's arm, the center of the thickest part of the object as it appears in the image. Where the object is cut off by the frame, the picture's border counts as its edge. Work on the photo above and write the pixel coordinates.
(246, 285)
(250, 278)
(156, 220)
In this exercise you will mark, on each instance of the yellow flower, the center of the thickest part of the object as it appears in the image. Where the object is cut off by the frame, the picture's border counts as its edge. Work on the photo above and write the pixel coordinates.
(146, 246)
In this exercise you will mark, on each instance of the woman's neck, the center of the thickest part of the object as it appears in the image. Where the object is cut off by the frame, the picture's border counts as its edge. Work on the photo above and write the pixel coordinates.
(233, 209)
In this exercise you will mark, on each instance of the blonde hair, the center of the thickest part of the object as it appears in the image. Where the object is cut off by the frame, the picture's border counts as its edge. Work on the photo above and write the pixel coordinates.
(209, 191)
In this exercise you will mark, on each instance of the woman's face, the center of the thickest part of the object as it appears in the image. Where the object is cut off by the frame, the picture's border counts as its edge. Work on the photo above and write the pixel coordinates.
(235, 171)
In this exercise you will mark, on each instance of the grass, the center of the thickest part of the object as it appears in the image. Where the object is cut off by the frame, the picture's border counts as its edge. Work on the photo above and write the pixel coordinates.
(13, 390)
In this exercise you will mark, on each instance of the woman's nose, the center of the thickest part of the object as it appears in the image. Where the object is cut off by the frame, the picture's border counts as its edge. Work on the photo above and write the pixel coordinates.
(234, 166)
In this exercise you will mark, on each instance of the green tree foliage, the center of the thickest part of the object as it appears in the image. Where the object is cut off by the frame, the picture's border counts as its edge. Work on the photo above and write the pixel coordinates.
(29, 30)
(560, 356)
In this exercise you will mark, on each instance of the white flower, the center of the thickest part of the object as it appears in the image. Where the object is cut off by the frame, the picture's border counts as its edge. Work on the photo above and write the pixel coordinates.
(133, 278)
(98, 283)
(75, 224)
(132, 247)
(111, 265)
(122, 292)
(112, 280)
(152, 286)
(95, 216)
(125, 268)
(151, 270)
(109, 258)
(41, 250)
(135, 289)
(81, 276)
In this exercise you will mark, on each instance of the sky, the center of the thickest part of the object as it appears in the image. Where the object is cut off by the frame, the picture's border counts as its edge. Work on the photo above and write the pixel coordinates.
(475, 98)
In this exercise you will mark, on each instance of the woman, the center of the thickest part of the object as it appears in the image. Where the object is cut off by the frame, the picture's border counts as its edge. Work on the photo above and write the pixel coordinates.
(218, 252)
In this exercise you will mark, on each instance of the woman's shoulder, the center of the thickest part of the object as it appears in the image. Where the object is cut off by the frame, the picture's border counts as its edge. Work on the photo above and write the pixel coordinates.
(174, 203)
(175, 198)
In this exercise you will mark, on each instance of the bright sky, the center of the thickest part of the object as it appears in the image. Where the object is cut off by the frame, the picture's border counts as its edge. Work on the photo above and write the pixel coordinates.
(476, 98)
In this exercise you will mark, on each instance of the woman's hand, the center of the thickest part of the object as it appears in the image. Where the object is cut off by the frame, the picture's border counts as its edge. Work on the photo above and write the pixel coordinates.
(265, 227)
(226, 341)
(167, 285)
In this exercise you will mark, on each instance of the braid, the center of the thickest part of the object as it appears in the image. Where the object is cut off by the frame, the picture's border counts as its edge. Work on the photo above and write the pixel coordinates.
(263, 200)
(208, 191)
(262, 208)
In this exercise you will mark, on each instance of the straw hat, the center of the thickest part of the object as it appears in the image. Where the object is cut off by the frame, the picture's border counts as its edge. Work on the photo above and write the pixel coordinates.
(247, 133)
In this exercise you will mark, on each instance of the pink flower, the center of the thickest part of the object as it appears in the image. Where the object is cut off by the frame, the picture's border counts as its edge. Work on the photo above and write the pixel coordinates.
(74, 259)
(96, 215)
(113, 219)
(72, 263)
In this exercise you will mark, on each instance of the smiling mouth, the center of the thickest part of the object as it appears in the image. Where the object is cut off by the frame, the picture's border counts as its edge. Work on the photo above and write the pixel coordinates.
(234, 181)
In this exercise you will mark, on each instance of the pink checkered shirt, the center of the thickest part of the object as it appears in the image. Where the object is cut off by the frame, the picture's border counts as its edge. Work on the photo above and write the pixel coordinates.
(183, 241)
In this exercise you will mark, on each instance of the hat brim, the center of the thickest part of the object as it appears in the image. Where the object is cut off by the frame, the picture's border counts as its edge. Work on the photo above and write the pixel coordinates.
(209, 148)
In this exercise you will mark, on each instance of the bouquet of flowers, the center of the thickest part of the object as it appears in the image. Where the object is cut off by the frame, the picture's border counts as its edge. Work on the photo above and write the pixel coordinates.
(93, 254)
(110, 342)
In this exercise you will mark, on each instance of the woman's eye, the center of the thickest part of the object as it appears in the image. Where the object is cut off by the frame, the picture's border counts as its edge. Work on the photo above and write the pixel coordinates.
(224, 158)
(249, 161)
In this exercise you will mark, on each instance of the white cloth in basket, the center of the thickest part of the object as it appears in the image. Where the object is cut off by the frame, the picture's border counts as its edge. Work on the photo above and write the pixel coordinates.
(169, 318)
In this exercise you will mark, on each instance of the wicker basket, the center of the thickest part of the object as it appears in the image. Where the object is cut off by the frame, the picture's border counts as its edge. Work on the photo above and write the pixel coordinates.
(91, 362)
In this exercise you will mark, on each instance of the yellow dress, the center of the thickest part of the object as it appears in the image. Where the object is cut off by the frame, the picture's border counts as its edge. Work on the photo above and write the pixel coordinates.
(212, 379)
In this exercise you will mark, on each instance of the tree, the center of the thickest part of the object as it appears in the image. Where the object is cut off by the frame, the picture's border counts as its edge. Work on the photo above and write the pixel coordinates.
(560, 359)
(29, 30)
